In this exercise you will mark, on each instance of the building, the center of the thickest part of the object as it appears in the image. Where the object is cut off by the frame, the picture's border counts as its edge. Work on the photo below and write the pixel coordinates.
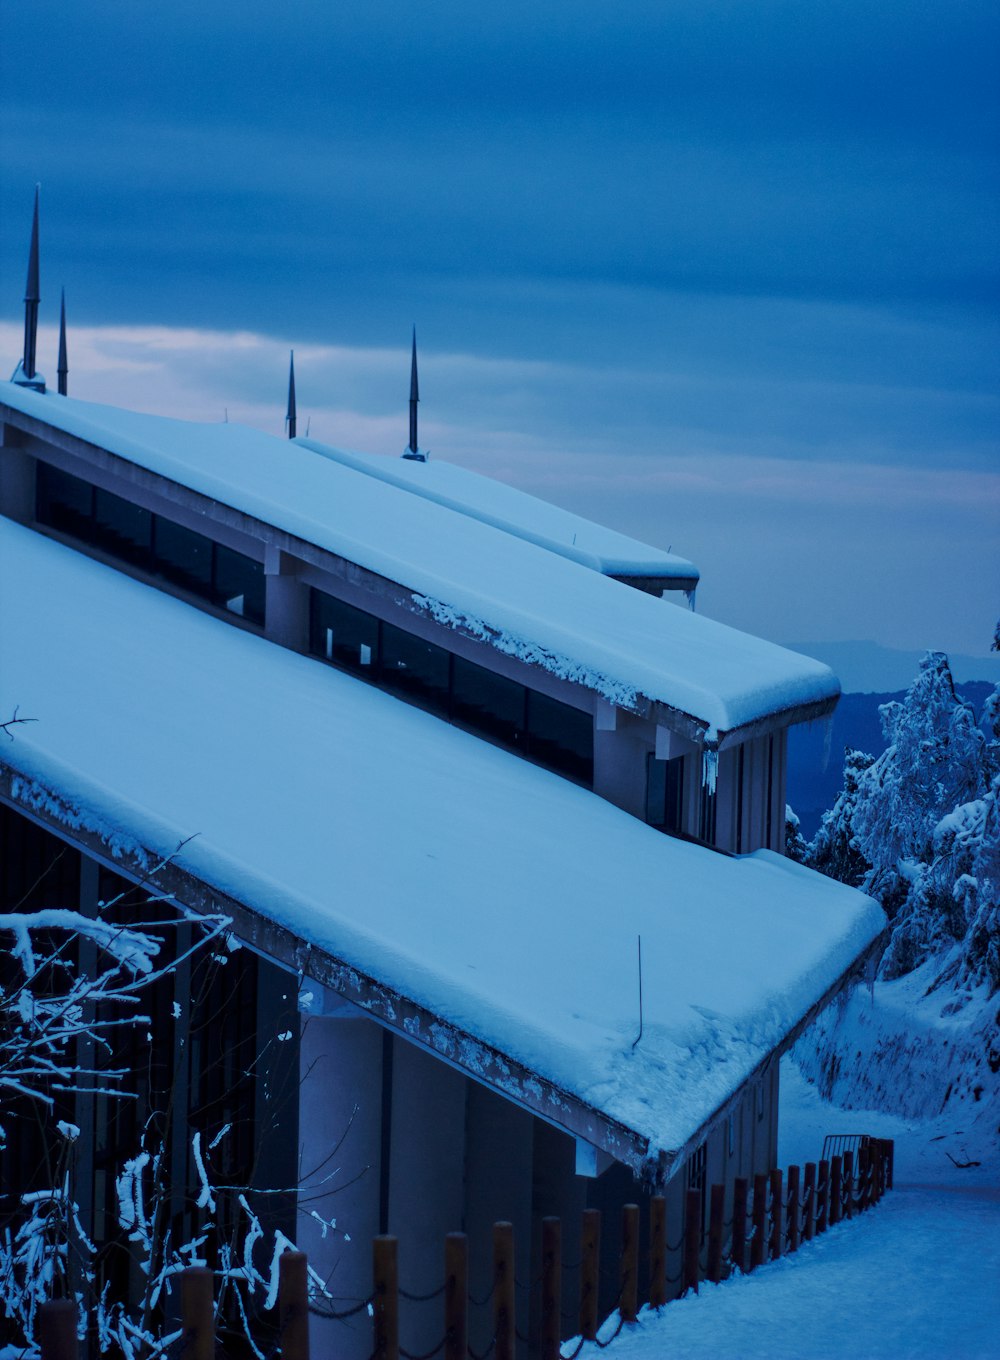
(444, 755)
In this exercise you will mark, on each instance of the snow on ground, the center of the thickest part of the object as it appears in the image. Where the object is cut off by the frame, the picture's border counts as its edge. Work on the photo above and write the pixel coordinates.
(915, 1278)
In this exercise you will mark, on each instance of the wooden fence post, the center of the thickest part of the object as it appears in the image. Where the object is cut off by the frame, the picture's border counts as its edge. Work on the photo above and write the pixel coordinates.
(777, 1213)
(759, 1220)
(629, 1304)
(456, 1296)
(504, 1315)
(848, 1186)
(551, 1287)
(716, 1218)
(590, 1263)
(57, 1337)
(823, 1196)
(385, 1303)
(197, 1314)
(809, 1229)
(864, 1187)
(293, 1305)
(692, 1239)
(836, 1190)
(739, 1248)
(657, 1251)
(794, 1208)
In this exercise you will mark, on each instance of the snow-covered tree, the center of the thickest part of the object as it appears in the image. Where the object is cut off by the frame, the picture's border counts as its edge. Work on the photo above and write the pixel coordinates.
(919, 828)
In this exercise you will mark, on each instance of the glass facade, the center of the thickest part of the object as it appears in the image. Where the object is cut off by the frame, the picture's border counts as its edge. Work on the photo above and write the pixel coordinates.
(545, 730)
(151, 543)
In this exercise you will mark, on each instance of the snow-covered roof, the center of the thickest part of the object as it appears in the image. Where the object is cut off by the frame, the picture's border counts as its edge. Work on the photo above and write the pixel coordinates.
(500, 901)
(517, 513)
(528, 602)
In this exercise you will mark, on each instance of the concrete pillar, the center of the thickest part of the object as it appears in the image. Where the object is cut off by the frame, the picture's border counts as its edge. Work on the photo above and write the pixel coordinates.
(17, 479)
(286, 608)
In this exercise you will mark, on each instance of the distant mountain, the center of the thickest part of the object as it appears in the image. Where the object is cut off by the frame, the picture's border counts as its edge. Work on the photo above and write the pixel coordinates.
(867, 668)
(816, 750)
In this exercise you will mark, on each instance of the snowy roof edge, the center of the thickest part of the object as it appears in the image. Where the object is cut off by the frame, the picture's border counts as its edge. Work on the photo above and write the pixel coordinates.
(477, 1058)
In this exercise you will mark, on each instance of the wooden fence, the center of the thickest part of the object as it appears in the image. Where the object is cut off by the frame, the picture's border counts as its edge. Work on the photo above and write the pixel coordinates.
(771, 1216)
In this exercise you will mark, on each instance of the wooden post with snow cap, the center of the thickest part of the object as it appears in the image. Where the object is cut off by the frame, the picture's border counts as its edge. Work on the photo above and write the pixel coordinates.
(657, 1251)
(809, 1226)
(385, 1301)
(551, 1288)
(739, 1248)
(777, 1213)
(794, 1209)
(836, 1190)
(293, 1305)
(57, 1322)
(716, 1218)
(629, 1301)
(590, 1265)
(197, 1314)
(504, 1315)
(759, 1220)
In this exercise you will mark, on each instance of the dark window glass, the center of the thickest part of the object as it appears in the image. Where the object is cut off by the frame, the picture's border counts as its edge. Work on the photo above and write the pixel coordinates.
(64, 502)
(488, 703)
(561, 737)
(239, 584)
(121, 529)
(182, 556)
(342, 634)
(418, 669)
(708, 810)
(664, 792)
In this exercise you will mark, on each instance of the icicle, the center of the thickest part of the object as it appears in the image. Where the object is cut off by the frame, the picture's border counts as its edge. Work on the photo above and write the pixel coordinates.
(827, 739)
(709, 768)
(689, 596)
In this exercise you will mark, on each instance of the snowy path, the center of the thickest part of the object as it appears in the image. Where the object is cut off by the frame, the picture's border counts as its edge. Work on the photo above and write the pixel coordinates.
(916, 1278)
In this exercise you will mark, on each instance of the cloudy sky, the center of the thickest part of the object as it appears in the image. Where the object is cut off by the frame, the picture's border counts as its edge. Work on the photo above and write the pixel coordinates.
(724, 275)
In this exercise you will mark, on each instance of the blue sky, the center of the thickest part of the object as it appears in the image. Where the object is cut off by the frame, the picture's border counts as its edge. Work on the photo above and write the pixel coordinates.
(723, 274)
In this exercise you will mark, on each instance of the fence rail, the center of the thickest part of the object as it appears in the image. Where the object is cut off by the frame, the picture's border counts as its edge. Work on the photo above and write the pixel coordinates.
(776, 1216)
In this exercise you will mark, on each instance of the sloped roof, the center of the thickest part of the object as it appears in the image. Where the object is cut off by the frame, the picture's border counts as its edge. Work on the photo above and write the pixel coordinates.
(485, 907)
(516, 512)
(526, 601)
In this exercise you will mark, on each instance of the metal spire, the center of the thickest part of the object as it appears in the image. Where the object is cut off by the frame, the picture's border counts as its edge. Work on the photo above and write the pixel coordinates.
(290, 415)
(62, 367)
(25, 374)
(413, 448)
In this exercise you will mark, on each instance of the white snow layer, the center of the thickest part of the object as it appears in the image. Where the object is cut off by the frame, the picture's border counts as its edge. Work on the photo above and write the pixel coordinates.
(496, 894)
(516, 512)
(527, 601)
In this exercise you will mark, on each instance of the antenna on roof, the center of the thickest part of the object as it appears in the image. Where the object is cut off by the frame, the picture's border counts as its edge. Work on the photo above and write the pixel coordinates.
(62, 365)
(290, 414)
(639, 1035)
(413, 449)
(25, 375)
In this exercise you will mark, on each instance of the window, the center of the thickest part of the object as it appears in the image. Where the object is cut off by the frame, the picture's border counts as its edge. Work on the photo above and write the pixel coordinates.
(168, 551)
(665, 792)
(489, 703)
(560, 737)
(545, 730)
(696, 1180)
(731, 1133)
(416, 668)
